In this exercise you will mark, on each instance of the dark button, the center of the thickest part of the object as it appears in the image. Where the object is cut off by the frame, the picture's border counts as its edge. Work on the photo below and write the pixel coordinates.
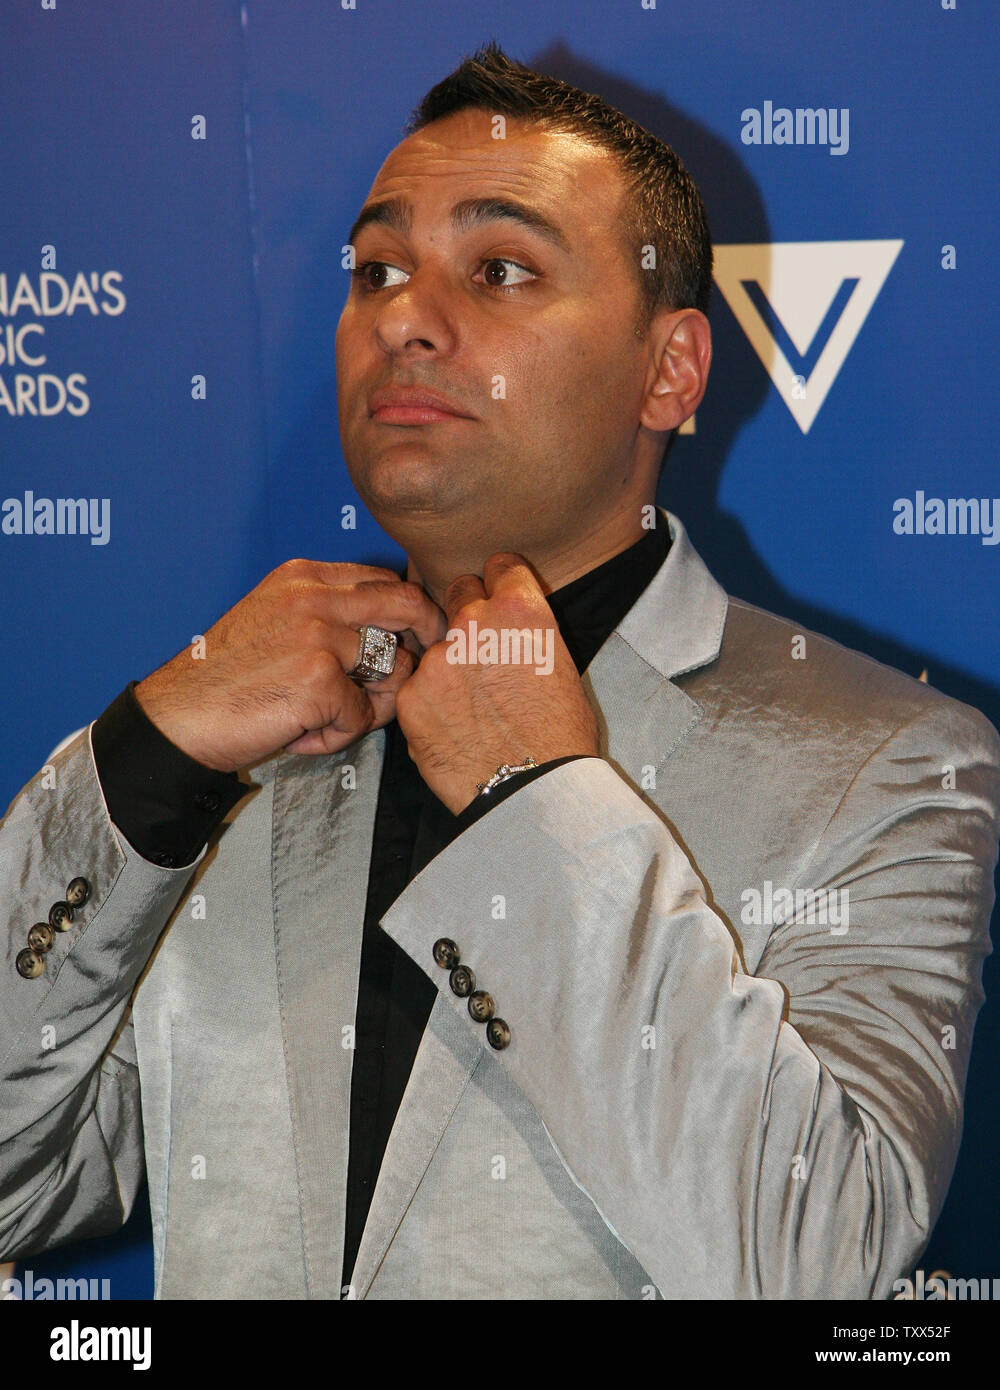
(462, 981)
(165, 861)
(60, 916)
(77, 892)
(446, 953)
(481, 1006)
(29, 964)
(498, 1033)
(41, 938)
(208, 801)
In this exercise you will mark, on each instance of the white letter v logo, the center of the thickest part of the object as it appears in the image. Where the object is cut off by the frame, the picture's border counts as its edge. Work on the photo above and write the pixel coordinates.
(800, 281)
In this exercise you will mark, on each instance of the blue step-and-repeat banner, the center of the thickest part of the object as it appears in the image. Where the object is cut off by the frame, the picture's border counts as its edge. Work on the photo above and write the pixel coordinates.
(176, 184)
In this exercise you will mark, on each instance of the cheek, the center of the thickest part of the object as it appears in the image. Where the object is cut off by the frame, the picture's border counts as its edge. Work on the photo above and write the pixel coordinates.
(574, 386)
(349, 370)
(572, 361)
(541, 374)
(341, 343)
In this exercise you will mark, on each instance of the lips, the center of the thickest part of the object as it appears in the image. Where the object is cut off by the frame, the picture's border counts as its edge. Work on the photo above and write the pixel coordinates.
(412, 405)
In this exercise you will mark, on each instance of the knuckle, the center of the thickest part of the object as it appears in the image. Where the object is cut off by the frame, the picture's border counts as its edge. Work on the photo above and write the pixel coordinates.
(433, 660)
(464, 615)
(520, 604)
(319, 666)
(411, 594)
(296, 568)
(313, 632)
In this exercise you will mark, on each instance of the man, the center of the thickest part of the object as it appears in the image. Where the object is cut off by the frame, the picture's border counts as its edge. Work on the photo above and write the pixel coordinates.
(683, 1006)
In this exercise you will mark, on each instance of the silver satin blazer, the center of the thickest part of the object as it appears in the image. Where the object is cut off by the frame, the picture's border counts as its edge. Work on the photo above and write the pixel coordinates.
(740, 955)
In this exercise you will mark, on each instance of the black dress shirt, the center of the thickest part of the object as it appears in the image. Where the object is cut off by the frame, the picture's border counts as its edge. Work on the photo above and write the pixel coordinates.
(166, 805)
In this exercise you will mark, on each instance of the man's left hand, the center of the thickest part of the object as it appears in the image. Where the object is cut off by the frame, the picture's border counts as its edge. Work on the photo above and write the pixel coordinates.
(467, 709)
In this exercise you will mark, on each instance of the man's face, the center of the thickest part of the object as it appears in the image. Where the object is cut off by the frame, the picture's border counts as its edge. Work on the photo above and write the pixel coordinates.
(528, 330)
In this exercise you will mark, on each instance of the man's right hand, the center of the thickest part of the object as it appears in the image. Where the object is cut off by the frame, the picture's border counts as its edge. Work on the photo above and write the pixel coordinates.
(273, 673)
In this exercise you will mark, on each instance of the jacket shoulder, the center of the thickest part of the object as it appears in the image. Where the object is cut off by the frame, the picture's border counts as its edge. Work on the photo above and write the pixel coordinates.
(794, 679)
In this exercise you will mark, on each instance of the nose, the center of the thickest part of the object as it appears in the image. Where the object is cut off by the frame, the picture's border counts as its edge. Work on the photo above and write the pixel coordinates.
(415, 316)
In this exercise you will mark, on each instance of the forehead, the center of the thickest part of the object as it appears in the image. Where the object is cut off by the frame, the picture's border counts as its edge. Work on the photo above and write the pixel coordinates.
(577, 184)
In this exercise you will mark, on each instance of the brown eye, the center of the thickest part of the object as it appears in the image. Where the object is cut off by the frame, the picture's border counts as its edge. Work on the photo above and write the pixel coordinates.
(509, 271)
(363, 275)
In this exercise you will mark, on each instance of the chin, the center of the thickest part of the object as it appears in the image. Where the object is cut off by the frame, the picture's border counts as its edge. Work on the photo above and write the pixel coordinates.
(408, 481)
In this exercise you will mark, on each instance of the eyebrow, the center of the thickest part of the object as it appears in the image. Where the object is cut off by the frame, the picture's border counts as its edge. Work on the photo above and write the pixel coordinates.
(397, 214)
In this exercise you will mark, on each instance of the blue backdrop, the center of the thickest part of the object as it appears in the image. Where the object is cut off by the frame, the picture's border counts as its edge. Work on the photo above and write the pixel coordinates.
(847, 156)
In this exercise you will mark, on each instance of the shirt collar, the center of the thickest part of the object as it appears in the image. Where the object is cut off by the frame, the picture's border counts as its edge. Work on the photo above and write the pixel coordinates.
(590, 607)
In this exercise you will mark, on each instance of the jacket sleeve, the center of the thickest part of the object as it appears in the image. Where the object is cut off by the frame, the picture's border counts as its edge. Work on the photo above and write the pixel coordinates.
(71, 1155)
(784, 1134)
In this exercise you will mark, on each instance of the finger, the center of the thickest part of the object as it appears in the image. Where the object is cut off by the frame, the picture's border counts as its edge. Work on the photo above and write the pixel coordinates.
(338, 572)
(326, 740)
(509, 573)
(395, 606)
(403, 668)
(376, 701)
(384, 705)
(350, 709)
(350, 715)
(410, 642)
(466, 588)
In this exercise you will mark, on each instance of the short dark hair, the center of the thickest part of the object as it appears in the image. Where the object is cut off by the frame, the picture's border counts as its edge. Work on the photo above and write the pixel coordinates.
(663, 206)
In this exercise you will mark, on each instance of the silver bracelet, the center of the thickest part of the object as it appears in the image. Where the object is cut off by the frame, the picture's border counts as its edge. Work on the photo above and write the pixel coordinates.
(504, 771)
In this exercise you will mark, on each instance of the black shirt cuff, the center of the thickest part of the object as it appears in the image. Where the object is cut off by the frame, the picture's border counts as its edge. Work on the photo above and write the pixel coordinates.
(485, 801)
(164, 802)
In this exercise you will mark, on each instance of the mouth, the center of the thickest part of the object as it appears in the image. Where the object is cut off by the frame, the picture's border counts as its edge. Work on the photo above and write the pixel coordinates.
(411, 406)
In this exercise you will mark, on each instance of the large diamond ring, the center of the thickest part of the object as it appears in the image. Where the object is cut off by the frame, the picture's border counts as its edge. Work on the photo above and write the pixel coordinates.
(376, 655)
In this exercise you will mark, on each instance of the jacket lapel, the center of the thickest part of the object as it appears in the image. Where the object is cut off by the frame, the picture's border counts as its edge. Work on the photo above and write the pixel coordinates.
(321, 847)
(322, 851)
(674, 626)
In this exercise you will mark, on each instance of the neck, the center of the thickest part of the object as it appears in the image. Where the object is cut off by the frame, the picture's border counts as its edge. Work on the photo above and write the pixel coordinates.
(556, 563)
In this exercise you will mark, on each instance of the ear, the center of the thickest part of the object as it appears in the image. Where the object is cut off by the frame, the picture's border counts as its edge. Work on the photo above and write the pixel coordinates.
(680, 346)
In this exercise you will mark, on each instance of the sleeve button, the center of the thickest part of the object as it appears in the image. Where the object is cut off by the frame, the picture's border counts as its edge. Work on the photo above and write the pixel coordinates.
(481, 1006)
(60, 916)
(462, 981)
(446, 953)
(41, 938)
(29, 964)
(77, 892)
(498, 1033)
(208, 801)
